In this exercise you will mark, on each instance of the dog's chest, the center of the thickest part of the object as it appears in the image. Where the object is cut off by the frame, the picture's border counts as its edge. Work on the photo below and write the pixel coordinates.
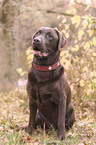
(45, 95)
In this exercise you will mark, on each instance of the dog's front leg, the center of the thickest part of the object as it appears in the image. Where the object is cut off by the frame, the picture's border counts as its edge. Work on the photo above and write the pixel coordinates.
(33, 110)
(61, 116)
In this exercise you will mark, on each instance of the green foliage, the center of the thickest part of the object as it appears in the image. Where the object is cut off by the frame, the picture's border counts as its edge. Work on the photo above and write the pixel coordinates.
(29, 54)
(79, 58)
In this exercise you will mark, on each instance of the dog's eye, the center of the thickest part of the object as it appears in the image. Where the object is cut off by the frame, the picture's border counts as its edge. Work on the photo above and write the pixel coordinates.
(50, 36)
(38, 33)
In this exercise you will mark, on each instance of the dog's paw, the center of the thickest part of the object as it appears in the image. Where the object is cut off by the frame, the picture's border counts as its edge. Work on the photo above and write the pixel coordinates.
(29, 130)
(61, 135)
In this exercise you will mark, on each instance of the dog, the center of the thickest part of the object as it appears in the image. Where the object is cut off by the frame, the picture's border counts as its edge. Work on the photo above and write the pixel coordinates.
(48, 90)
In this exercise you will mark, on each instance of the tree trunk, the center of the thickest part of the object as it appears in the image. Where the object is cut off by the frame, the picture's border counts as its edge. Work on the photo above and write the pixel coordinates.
(8, 43)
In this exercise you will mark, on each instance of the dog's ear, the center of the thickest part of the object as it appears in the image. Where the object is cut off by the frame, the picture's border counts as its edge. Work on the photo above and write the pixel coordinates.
(61, 39)
(33, 35)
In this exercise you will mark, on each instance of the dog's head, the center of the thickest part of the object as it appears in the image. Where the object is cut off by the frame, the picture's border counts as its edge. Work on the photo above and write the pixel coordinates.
(46, 42)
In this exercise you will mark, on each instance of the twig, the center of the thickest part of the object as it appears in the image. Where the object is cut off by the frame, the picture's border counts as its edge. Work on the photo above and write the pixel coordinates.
(55, 12)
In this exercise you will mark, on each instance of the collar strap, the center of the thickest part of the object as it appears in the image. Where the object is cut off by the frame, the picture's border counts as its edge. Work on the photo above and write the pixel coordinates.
(47, 68)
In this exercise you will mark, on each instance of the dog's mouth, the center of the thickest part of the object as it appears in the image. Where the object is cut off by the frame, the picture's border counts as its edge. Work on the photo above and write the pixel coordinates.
(41, 54)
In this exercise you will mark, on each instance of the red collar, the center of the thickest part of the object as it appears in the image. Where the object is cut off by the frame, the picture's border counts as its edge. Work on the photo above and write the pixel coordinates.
(47, 68)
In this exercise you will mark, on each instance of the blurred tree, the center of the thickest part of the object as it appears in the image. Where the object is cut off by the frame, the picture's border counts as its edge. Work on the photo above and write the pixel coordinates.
(8, 50)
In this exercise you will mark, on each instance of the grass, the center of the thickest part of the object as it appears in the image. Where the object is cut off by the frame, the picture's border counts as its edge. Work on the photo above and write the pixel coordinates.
(14, 111)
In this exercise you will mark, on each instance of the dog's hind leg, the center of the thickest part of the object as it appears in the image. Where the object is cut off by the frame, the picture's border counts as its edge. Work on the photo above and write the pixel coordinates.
(70, 117)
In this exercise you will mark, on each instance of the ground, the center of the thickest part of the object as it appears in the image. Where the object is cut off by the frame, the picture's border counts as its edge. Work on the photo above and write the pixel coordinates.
(14, 112)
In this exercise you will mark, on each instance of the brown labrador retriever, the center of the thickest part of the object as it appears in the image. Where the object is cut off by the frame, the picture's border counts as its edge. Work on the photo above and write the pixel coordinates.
(48, 90)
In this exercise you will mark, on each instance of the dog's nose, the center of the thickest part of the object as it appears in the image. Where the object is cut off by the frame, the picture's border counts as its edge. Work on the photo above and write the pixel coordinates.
(37, 40)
